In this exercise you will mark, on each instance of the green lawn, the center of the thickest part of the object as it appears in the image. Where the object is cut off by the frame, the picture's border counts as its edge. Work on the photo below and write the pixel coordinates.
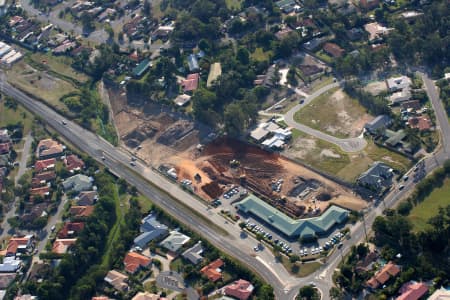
(320, 83)
(234, 4)
(333, 112)
(421, 213)
(10, 116)
(303, 270)
(261, 55)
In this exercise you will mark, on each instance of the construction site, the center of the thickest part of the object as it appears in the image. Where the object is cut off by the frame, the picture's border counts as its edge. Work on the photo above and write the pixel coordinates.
(191, 154)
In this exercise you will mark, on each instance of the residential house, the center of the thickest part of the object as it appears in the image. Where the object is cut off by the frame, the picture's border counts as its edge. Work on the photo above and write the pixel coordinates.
(422, 123)
(333, 50)
(395, 138)
(182, 100)
(86, 198)
(117, 280)
(390, 270)
(369, 4)
(215, 71)
(174, 241)
(141, 68)
(6, 279)
(151, 229)
(411, 105)
(45, 177)
(26, 297)
(4, 136)
(44, 165)
(19, 244)
(440, 294)
(287, 6)
(376, 30)
(10, 265)
(213, 271)
(263, 130)
(78, 183)
(4, 148)
(412, 291)
(49, 148)
(377, 125)
(190, 83)
(81, 211)
(395, 84)
(134, 261)
(240, 289)
(145, 296)
(378, 177)
(61, 246)
(70, 230)
(363, 265)
(73, 163)
(193, 63)
(162, 32)
(400, 96)
(194, 254)
(43, 191)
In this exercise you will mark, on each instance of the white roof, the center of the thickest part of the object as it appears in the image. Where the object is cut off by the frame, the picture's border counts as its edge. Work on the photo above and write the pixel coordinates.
(259, 133)
(274, 142)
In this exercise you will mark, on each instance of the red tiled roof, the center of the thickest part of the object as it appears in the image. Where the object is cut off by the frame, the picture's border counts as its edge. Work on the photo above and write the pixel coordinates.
(61, 246)
(41, 191)
(212, 270)
(14, 244)
(49, 147)
(190, 83)
(389, 270)
(45, 176)
(81, 211)
(70, 227)
(421, 123)
(41, 165)
(73, 162)
(333, 49)
(133, 261)
(413, 291)
(241, 289)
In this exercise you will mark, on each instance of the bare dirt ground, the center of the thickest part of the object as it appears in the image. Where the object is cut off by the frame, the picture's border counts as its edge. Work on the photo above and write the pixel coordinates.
(375, 88)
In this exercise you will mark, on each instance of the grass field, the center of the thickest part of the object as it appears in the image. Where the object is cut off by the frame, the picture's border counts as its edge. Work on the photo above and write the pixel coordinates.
(40, 84)
(303, 270)
(260, 55)
(57, 64)
(10, 116)
(335, 113)
(234, 4)
(331, 159)
(421, 213)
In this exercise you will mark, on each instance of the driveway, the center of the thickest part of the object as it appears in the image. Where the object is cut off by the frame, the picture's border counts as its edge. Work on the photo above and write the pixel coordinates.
(347, 145)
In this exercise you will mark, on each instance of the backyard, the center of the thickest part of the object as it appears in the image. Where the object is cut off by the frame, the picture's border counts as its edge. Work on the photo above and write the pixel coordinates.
(335, 113)
(421, 213)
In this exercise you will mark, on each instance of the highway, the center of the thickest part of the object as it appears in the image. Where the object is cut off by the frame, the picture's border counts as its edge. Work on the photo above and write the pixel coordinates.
(162, 192)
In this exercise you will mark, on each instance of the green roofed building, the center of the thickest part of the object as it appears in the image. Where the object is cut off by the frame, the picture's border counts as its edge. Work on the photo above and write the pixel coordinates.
(303, 228)
(141, 68)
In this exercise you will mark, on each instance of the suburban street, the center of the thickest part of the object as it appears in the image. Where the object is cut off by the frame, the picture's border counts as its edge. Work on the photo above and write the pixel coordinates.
(163, 193)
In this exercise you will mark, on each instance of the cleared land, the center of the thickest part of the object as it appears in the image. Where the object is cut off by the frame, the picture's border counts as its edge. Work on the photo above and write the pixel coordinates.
(58, 64)
(331, 159)
(11, 116)
(40, 84)
(335, 113)
(421, 213)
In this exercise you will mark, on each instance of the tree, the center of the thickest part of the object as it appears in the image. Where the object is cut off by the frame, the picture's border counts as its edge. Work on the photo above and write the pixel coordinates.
(243, 56)
(147, 9)
(291, 76)
(308, 292)
(336, 293)
(86, 21)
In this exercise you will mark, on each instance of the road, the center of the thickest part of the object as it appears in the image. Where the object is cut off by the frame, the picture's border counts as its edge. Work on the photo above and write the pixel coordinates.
(5, 227)
(263, 263)
(347, 145)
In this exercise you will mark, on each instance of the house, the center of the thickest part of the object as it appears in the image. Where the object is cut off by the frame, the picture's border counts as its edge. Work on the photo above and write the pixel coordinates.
(193, 63)
(412, 291)
(422, 123)
(174, 241)
(194, 254)
(4, 136)
(363, 265)
(134, 261)
(81, 211)
(263, 130)
(6, 279)
(141, 68)
(49, 148)
(78, 183)
(70, 229)
(117, 280)
(19, 244)
(45, 176)
(213, 271)
(380, 123)
(333, 50)
(440, 294)
(151, 229)
(61, 246)
(287, 6)
(190, 83)
(394, 138)
(390, 270)
(376, 30)
(378, 177)
(86, 198)
(182, 100)
(240, 289)
(215, 70)
(395, 84)
(43, 191)
(44, 165)
(400, 96)
(410, 105)
(10, 265)
(369, 4)
(26, 297)
(145, 296)
(4, 148)
(73, 163)
(162, 32)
